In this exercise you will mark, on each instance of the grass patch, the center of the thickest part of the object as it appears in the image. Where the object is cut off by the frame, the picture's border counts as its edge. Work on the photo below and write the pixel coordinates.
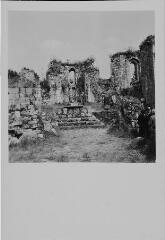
(34, 150)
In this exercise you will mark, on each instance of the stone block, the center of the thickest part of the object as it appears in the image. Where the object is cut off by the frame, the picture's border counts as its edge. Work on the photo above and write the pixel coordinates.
(65, 110)
(17, 114)
(84, 110)
(34, 116)
(82, 114)
(54, 124)
(32, 122)
(63, 116)
(17, 123)
(25, 120)
(34, 126)
(47, 126)
(26, 126)
(59, 111)
(40, 136)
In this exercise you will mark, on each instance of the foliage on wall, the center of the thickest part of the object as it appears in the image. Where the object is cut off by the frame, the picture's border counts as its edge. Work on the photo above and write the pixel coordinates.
(25, 78)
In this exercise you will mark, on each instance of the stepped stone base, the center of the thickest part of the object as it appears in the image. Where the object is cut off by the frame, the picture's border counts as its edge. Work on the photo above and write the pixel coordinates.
(76, 117)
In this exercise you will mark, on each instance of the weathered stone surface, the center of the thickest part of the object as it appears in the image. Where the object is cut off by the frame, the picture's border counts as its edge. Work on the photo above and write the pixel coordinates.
(65, 110)
(16, 123)
(47, 126)
(75, 119)
(54, 124)
(147, 59)
(133, 71)
(41, 135)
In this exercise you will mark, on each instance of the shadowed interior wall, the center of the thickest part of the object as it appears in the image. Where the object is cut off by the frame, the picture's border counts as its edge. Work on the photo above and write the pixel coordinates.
(147, 76)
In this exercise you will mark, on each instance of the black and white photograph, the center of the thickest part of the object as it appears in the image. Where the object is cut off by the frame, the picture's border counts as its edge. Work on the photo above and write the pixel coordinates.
(81, 86)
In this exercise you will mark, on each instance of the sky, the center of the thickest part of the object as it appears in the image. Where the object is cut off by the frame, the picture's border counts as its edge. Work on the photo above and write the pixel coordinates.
(36, 37)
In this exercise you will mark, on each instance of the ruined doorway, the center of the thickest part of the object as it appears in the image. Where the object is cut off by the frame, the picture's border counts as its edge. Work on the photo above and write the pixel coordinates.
(134, 70)
(72, 86)
(81, 89)
(71, 77)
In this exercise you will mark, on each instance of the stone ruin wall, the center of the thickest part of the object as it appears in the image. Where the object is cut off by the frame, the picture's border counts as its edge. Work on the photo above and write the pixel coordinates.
(57, 94)
(145, 79)
(27, 121)
(120, 71)
(147, 75)
(30, 118)
(93, 90)
(23, 96)
(26, 115)
(59, 83)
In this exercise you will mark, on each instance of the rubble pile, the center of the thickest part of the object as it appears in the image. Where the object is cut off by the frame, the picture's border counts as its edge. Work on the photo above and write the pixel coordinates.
(27, 123)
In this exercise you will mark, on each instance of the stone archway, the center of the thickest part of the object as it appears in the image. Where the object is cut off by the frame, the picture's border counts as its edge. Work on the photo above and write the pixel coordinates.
(134, 67)
(71, 77)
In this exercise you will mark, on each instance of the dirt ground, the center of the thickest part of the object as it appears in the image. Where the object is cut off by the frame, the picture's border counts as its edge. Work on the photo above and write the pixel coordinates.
(79, 145)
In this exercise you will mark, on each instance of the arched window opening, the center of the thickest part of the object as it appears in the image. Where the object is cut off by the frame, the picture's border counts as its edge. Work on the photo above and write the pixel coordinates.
(71, 76)
(134, 70)
(71, 70)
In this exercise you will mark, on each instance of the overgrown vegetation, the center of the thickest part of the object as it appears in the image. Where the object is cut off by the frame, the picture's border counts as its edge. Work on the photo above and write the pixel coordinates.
(128, 54)
(13, 78)
(134, 91)
(23, 78)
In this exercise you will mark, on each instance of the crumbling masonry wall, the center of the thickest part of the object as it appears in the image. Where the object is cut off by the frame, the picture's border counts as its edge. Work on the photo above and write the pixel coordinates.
(81, 76)
(23, 96)
(142, 77)
(120, 71)
(93, 90)
(147, 77)
(121, 64)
